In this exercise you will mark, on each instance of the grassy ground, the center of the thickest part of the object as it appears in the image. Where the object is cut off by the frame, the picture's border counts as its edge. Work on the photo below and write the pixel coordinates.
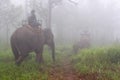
(90, 64)
(99, 63)
(29, 70)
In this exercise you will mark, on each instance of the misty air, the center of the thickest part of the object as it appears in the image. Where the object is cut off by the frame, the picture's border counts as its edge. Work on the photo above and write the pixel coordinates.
(59, 40)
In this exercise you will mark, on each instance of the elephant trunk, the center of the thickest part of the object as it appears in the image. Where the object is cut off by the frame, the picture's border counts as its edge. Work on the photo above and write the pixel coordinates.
(53, 51)
(49, 40)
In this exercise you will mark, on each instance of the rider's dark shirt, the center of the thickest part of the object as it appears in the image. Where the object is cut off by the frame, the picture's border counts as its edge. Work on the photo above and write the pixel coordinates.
(32, 20)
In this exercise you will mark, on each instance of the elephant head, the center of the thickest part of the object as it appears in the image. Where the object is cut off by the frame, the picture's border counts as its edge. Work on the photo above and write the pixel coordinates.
(49, 40)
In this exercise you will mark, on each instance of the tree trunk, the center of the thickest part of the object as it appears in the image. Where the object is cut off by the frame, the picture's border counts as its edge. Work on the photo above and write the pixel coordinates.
(49, 13)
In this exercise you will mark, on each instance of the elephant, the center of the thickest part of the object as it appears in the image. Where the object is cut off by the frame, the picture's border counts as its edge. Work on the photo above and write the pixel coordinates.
(82, 44)
(27, 39)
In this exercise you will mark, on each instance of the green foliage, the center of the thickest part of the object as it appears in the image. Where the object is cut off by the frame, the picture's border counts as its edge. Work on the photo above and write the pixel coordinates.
(29, 69)
(104, 61)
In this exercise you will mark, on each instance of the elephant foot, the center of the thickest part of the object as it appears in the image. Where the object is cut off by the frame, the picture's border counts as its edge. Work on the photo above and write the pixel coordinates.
(20, 59)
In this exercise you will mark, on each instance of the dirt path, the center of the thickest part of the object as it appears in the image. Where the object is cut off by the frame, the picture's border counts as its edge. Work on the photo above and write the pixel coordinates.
(64, 71)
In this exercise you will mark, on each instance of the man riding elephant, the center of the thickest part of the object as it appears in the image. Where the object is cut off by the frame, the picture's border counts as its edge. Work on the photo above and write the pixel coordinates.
(84, 42)
(32, 20)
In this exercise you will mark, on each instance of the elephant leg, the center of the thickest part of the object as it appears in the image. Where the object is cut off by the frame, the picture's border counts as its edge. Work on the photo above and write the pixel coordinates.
(20, 59)
(15, 52)
(39, 56)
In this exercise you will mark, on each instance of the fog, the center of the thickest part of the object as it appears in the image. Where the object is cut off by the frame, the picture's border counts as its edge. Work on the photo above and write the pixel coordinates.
(69, 19)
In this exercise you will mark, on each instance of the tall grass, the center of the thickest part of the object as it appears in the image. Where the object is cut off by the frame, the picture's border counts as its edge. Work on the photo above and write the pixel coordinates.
(29, 69)
(105, 61)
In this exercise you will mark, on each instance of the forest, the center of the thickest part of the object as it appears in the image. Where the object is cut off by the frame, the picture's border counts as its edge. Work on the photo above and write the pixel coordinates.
(71, 40)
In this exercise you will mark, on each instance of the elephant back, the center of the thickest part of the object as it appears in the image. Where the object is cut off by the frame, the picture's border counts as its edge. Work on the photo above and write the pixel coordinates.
(28, 36)
(33, 29)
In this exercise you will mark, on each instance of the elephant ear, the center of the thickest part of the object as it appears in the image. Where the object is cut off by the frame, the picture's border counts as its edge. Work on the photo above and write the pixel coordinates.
(48, 35)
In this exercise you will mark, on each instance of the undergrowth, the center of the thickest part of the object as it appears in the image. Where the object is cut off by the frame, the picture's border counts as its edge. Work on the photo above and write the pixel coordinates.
(104, 61)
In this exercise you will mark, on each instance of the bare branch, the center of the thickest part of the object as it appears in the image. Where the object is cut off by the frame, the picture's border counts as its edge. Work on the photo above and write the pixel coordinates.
(71, 1)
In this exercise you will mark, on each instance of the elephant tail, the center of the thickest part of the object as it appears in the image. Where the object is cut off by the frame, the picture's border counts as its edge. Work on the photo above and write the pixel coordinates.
(14, 49)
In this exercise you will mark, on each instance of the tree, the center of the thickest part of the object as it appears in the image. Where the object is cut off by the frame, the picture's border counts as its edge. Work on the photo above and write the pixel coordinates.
(44, 12)
(10, 16)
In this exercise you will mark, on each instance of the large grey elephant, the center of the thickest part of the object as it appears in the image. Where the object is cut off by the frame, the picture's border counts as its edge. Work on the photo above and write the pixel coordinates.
(27, 39)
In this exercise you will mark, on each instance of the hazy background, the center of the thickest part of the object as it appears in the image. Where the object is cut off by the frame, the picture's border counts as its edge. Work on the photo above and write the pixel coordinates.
(70, 18)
